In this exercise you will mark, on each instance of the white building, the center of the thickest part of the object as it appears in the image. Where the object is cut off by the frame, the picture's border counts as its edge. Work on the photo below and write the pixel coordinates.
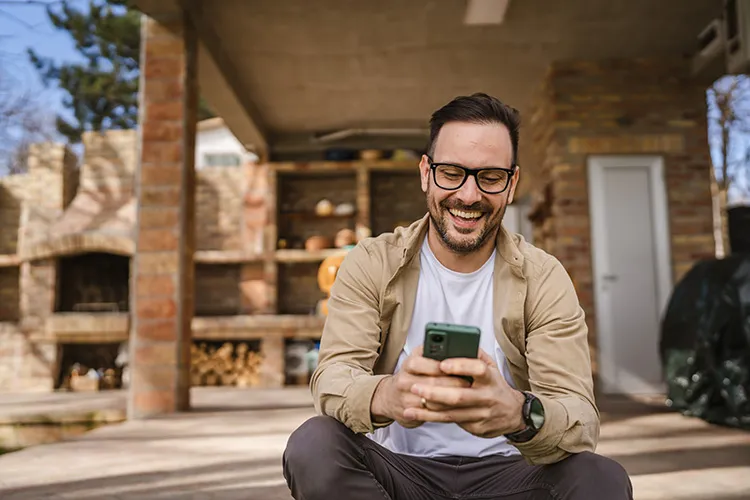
(216, 146)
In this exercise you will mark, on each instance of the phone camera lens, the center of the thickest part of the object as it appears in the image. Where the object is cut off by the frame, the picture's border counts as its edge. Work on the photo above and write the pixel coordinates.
(438, 338)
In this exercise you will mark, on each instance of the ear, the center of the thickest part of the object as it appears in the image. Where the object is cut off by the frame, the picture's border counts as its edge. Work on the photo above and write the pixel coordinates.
(424, 172)
(513, 184)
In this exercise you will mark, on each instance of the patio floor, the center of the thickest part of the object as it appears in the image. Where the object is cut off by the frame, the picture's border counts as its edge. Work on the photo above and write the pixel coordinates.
(230, 447)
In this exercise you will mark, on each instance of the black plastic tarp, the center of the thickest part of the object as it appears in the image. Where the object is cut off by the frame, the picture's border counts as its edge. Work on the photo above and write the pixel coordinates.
(705, 342)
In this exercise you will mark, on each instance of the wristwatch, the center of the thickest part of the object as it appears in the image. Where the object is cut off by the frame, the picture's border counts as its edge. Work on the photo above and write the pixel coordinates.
(533, 417)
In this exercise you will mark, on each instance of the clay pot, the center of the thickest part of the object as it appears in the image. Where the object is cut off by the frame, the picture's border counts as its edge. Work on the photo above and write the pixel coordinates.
(315, 243)
(324, 208)
(345, 237)
(370, 154)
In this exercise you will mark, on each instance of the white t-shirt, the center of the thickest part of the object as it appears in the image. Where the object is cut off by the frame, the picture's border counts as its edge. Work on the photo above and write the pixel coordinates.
(447, 296)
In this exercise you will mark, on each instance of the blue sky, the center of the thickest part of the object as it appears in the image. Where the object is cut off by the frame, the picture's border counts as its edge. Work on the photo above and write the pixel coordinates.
(24, 26)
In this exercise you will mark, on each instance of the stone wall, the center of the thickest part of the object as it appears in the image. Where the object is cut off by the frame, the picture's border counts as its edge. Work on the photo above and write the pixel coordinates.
(618, 107)
(11, 199)
(219, 205)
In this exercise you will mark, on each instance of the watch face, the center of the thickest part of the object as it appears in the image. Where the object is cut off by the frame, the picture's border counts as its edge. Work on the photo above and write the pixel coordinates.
(536, 413)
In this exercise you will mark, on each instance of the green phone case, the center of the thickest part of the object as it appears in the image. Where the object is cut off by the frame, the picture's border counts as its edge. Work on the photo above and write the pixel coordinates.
(446, 340)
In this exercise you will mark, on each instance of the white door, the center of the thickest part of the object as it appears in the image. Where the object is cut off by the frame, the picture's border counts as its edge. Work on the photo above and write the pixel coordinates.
(631, 262)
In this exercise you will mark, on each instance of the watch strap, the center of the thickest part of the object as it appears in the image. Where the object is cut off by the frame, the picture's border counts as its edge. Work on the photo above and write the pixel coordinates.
(527, 433)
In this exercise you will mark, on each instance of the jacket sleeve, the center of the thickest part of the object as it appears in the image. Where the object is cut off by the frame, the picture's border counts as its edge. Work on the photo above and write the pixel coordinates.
(559, 368)
(343, 383)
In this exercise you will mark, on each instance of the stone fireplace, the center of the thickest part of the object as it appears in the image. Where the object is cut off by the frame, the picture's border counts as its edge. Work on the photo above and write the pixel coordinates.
(93, 282)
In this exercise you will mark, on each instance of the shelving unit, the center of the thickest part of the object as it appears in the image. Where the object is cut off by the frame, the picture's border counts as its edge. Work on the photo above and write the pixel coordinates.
(384, 193)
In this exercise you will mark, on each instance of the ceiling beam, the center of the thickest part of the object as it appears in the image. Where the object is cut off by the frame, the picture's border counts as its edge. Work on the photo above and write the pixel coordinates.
(483, 12)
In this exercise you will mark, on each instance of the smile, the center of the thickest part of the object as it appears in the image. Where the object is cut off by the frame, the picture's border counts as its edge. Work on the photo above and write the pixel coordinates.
(465, 214)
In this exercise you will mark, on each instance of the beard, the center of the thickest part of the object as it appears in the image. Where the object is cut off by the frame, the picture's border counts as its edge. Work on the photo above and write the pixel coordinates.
(440, 218)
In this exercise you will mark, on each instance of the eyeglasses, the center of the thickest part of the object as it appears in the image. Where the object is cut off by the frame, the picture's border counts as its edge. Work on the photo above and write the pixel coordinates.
(489, 180)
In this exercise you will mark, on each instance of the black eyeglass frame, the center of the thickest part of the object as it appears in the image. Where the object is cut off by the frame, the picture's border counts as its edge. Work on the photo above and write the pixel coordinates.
(473, 173)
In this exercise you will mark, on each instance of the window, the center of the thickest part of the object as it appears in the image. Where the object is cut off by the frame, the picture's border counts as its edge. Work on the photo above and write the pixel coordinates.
(222, 160)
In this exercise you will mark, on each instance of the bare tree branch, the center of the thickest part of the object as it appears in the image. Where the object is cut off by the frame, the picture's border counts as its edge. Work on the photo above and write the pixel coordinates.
(22, 123)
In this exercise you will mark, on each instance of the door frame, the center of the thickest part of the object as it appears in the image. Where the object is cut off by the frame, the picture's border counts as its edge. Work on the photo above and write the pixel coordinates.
(596, 166)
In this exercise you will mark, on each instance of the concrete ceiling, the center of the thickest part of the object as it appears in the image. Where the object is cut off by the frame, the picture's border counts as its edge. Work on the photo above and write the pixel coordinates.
(299, 67)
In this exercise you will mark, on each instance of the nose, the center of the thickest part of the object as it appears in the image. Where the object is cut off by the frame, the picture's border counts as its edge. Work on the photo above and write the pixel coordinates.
(469, 192)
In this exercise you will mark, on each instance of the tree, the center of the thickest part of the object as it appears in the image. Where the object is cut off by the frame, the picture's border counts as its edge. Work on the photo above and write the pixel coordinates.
(22, 123)
(729, 137)
(102, 91)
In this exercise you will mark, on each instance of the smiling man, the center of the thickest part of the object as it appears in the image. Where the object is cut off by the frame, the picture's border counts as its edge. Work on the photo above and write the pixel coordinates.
(397, 425)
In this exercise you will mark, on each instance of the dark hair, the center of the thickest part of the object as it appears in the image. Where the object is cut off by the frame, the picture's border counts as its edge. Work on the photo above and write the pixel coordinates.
(476, 108)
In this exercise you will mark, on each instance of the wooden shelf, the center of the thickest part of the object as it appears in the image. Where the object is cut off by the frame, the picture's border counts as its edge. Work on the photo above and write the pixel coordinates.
(9, 260)
(78, 328)
(224, 257)
(314, 216)
(333, 166)
(294, 255)
(261, 326)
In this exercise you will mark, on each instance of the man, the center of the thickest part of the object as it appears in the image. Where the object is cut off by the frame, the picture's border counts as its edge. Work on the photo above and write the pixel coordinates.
(398, 425)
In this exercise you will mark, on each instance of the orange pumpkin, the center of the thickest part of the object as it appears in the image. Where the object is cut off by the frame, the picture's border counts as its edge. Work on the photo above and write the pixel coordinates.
(328, 270)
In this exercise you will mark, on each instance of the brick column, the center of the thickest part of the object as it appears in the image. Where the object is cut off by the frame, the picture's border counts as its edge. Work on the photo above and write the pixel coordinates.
(163, 274)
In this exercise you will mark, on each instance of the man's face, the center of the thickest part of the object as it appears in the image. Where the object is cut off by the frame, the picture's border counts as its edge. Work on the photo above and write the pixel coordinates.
(467, 217)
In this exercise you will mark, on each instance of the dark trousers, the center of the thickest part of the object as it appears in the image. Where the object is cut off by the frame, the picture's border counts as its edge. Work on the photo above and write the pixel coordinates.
(326, 460)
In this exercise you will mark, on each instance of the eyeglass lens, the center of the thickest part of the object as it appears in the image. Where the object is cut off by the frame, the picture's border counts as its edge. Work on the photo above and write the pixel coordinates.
(450, 177)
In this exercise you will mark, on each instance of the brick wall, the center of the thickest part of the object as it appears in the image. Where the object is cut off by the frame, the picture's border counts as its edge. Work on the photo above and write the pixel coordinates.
(396, 200)
(298, 288)
(219, 202)
(217, 291)
(618, 107)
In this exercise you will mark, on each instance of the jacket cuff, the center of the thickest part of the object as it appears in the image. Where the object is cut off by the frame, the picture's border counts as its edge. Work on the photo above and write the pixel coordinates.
(538, 450)
(362, 391)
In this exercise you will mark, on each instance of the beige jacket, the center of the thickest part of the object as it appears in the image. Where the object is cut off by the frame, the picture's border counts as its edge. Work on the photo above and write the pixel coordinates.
(538, 324)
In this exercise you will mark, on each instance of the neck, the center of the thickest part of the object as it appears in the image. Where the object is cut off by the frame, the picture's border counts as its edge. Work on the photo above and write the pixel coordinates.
(460, 263)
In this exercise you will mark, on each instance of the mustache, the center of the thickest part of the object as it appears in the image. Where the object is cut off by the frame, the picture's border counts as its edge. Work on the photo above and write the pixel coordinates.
(474, 207)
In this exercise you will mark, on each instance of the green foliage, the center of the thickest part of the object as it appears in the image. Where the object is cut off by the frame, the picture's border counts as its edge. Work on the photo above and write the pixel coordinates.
(102, 90)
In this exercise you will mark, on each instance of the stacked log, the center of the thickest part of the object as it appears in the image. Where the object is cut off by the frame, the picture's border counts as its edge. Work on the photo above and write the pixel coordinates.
(229, 365)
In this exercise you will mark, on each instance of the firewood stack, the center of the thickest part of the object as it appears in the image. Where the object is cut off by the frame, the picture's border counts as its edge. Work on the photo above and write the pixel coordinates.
(227, 365)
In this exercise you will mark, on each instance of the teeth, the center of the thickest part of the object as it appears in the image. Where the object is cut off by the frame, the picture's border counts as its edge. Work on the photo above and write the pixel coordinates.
(465, 215)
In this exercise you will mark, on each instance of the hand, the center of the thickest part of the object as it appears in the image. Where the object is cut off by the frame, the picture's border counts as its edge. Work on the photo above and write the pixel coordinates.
(394, 395)
(489, 408)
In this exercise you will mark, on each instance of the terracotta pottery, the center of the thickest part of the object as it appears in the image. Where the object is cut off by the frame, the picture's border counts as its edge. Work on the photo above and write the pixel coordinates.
(315, 243)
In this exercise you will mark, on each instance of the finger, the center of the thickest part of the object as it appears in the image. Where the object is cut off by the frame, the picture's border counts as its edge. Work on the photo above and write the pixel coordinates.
(419, 365)
(454, 415)
(451, 396)
(414, 401)
(465, 366)
(443, 381)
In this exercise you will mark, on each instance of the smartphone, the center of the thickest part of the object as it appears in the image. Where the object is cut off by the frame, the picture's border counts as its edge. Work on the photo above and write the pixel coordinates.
(446, 340)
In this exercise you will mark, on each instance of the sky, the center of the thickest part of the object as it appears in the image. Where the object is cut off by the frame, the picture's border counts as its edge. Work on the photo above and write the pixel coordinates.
(23, 26)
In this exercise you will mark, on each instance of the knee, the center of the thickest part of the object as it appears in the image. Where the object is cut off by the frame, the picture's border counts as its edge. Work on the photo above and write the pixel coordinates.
(601, 475)
(311, 439)
(309, 448)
